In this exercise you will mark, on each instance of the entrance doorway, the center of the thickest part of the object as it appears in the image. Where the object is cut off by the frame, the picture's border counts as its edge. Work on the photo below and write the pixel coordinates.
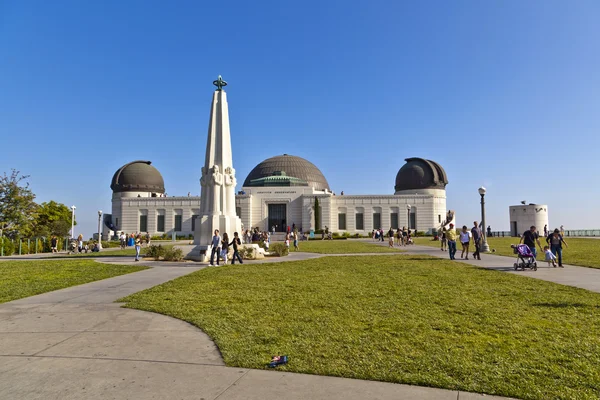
(277, 217)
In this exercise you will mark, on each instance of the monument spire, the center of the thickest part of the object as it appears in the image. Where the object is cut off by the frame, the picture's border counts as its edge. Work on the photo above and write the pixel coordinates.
(217, 184)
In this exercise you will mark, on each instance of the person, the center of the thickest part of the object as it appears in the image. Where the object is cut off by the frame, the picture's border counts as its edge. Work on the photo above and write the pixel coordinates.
(138, 246)
(489, 231)
(545, 230)
(80, 242)
(216, 247)
(444, 239)
(391, 238)
(54, 244)
(96, 248)
(287, 241)
(342, 193)
(235, 243)
(477, 236)
(296, 248)
(529, 238)
(224, 248)
(123, 240)
(404, 236)
(148, 238)
(562, 230)
(551, 258)
(273, 229)
(555, 240)
(399, 237)
(451, 236)
(465, 239)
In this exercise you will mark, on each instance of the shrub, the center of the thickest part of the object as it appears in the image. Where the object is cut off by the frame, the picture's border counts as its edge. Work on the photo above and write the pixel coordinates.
(247, 253)
(155, 252)
(173, 254)
(9, 247)
(278, 249)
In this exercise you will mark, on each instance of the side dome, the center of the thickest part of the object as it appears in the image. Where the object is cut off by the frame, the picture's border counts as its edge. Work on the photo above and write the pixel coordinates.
(138, 176)
(286, 170)
(419, 173)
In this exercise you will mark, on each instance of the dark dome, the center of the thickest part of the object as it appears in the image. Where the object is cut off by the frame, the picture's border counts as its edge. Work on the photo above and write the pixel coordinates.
(138, 176)
(419, 173)
(305, 172)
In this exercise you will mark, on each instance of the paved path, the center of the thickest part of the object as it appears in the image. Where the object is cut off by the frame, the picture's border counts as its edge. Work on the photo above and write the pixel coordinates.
(76, 343)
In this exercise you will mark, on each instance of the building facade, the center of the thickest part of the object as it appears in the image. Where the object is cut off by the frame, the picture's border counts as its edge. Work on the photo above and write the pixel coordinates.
(280, 192)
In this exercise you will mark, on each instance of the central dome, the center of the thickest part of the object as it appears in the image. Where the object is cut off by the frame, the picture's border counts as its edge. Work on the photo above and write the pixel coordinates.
(289, 171)
(138, 176)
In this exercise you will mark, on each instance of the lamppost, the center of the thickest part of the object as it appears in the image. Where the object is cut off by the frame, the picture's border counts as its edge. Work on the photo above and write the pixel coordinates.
(100, 229)
(484, 247)
(408, 216)
(72, 221)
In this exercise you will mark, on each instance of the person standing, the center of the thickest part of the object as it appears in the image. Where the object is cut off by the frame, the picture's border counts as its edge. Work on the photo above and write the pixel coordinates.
(138, 245)
(465, 239)
(235, 243)
(545, 230)
(562, 230)
(224, 248)
(216, 247)
(477, 235)
(296, 248)
(444, 239)
(451, 236)
(80, 242)
(555, 240)
(54, 244)
(529, 238)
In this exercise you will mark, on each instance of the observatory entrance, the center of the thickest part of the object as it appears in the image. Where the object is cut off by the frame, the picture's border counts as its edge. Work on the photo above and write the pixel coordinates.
(277, 217)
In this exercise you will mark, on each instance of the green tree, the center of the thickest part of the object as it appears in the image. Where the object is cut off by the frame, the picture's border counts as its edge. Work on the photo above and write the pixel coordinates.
(17, 208)
(53, 219)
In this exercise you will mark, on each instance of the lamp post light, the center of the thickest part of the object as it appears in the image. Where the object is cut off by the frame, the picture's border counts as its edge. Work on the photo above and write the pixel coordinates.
(408, 216)
(72, 221)
(484, 247)
(99, 229)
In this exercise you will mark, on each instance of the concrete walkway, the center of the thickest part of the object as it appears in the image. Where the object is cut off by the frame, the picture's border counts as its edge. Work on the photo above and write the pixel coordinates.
(76, 343)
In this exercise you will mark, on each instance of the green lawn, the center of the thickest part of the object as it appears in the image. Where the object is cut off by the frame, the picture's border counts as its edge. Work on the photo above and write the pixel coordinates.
(20, 279)
(406, 319)
(342, 247)
(581, 251)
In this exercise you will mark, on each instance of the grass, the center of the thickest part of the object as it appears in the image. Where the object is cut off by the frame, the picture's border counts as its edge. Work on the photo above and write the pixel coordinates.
(404, 319)
(342, 247)
(581, 251)
(20, 279)
(128, 252)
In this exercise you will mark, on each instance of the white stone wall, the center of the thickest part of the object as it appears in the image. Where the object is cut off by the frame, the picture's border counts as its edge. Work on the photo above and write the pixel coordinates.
(522, 217)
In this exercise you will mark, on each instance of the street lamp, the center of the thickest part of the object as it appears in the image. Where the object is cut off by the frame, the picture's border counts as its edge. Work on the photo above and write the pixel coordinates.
(408, 216)
(99, 229)
(72, 221)
(484, 247)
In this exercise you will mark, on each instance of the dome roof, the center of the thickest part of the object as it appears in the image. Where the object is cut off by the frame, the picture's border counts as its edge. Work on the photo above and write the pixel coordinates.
(138, 176)
(304, 172)
(419, 173)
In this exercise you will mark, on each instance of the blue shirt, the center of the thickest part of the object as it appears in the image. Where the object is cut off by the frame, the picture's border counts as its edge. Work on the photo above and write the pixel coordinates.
(216, 241)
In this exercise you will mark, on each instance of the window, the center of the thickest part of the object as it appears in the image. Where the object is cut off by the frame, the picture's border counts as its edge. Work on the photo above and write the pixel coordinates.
(394, 219)
(342, 221)
(178, 223)
(160, 223)
(360, 223)
(143, 223)
(377, 221)
(194, 222)
(440, 219)
(238, 211)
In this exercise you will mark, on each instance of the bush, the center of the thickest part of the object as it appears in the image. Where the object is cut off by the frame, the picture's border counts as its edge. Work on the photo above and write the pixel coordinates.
(173, 254)
(155, 252)
(247, 253)
(278, 249)
(9, 247)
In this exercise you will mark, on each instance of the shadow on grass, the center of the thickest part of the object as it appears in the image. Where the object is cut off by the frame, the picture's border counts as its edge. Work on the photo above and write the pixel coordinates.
(564, 305)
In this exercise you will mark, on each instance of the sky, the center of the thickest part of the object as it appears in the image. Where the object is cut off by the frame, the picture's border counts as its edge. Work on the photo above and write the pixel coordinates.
(503, 94)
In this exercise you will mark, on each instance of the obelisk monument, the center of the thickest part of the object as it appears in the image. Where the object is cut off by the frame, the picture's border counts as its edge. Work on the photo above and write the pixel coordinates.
(217, 184)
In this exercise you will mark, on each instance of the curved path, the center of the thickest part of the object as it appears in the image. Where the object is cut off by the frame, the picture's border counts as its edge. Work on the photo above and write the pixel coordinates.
(76, 343)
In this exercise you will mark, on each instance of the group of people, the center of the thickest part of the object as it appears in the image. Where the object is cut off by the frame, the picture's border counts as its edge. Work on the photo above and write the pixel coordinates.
(449, 236)
(220, 248)
(553, 248)
(131, 239)
(400, 237)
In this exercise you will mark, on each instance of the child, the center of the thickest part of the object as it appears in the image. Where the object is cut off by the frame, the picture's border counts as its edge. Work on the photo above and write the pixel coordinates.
(287, 241)
(551, 258)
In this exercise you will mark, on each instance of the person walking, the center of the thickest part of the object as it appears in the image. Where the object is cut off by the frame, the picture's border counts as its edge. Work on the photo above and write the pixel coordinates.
(54, 244)
(444, 240)
(224, 248)
(546, 231)
(216, 247)
(477, 235)
(235, 243)
(296, 248)
(555, 240)
(529, 238)
(138, 246)
(465, 239)
(451, 236)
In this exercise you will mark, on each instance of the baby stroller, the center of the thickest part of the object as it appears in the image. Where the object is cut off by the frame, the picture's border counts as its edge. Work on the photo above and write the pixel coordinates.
(525, 258)
(72, 246)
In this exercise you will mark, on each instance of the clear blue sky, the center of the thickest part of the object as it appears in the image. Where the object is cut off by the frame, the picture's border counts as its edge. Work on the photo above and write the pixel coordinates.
(501, 93)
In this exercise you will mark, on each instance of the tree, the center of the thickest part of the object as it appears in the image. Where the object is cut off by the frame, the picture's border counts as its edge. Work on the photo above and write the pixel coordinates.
(317, 214)
(17, 208)
(53, 219)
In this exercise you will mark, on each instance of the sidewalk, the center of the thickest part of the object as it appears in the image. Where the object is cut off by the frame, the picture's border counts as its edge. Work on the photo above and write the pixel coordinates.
(76, 343)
